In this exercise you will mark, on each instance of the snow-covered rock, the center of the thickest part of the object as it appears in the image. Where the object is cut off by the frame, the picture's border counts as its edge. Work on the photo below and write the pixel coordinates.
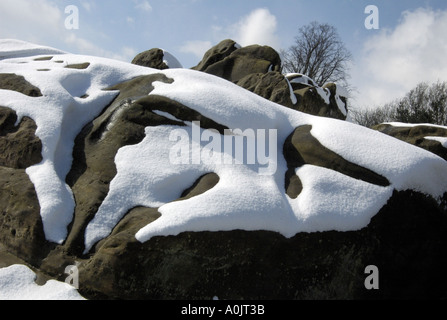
(157, 58)
(17, 282)
(144, 169)
(430, 137)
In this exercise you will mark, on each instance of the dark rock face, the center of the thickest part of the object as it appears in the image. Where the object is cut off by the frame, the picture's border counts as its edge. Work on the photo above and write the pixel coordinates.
(19, 145)
(309, 99)
(265, 265)
(417, 135)
(17, 83)
(21, 229)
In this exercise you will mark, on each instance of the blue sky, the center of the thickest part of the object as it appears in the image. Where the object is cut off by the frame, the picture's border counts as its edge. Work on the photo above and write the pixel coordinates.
(408, 47)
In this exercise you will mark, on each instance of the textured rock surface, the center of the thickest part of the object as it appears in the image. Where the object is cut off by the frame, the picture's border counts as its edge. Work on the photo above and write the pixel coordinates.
(271, 85)
(257, 68)
(265, 265)
(152, 58)
(17, 83)
(406, 240)
(233, 65)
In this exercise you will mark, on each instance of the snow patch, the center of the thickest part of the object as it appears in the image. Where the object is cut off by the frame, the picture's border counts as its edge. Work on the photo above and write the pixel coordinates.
(11, 48)
(17, 282)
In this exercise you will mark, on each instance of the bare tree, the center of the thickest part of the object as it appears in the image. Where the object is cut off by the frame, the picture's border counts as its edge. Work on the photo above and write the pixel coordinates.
(319, 53)
(426, 103)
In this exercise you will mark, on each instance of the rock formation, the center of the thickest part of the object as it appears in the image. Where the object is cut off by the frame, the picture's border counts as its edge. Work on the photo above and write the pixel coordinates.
(343, 197)
(428, 137)
(258, 69)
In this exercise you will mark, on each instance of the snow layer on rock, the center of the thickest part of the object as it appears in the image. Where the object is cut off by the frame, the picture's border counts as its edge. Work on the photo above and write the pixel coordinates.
(248, 196)
(17, 282)
(402, 124)
(11, 48)
(60, 114)
(338, 210)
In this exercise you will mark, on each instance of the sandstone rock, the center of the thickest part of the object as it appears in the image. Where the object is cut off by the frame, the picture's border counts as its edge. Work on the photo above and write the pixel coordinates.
(272, 86)
(320, 101)
(406, 240)
(20, 148)
(156, 58)
(231, 63)
(257, 68)
(17, 83)
(417, 135)
(265, 265)
(217, 53)
(122, 123)
(152, 58)
(21, 230)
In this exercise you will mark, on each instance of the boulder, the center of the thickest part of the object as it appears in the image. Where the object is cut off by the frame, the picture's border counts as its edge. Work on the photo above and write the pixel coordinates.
(157, 59)
(405, 239)
(232, 264)
(265, 265)
(271, 85)
(152, 58)
(257, 68)
(423, 135)
(324, 101)
(231, 62)
(217, 53)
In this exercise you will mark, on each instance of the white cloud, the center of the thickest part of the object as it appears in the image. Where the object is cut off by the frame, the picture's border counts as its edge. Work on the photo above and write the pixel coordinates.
(42, 22)
(21, 19)
(395, 61)
(87, 5)
(86, 47)
(258, 27)
(198, 48)
(143, 5)
(130, 20)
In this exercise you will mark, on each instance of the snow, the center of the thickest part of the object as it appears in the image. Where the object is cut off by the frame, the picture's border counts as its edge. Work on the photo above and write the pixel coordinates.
(292, 95)
(17, 282)
(401, 124)
(300, 78)
(338, 210)
(248, 196)
(10, 48)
